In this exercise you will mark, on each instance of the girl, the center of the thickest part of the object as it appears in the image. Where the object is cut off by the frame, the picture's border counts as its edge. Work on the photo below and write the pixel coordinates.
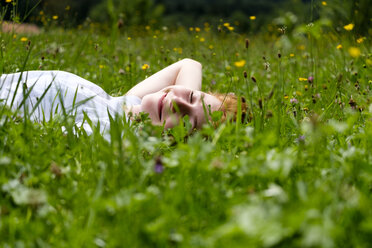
(166, 96)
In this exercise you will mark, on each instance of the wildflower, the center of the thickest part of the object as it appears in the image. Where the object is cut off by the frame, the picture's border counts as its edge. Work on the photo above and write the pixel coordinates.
(324, 3)
(310, 79)
(191, 29)
(145, 66)
(286, 97)
(301, 47)
(129, 38)
(252, 18)
(154, 36)
(349, 27)
(352, 103)
(55, 17)
(197, 29)
(302, 79)
(306, 87)
(202, 39)
(291, 55)
(354, 52)
(230, 28)
(24, 39)
(239, 63)
(298, 93)
(226, 24)
(210, 47)
(14, 36)
(306, 109)
(228, 68)
(339, 46)
(293, 101)
(159, 167)
(8, 1)
(101, 66)
(147, 27)
(41, 12)
(300, 139)
(361, 39)
(68, 7)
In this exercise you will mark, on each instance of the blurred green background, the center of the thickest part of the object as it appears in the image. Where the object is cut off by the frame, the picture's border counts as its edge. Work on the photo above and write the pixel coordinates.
(172, 13)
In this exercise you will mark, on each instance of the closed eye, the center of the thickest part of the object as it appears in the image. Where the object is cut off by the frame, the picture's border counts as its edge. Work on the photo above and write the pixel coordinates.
(191, 95)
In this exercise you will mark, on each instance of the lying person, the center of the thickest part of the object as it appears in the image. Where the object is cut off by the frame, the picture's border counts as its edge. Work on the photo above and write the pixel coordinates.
(166, 97)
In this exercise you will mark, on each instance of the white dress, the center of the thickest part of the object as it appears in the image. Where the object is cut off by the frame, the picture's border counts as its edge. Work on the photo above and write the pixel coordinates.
(62, 92)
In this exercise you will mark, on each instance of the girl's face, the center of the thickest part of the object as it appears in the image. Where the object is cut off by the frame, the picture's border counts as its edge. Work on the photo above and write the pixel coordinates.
(170, 104)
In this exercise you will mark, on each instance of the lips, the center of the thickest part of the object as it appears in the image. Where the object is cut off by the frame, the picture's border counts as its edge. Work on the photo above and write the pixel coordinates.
(160, 105)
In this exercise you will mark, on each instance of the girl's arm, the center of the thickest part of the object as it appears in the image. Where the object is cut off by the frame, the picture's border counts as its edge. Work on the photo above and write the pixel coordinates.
(186, 72)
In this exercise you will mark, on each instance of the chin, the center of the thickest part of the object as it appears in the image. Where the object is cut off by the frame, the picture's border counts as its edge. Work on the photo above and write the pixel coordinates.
(149, 105)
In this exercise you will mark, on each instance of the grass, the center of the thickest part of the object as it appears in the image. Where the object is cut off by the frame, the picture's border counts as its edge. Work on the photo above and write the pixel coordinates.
(298, 174)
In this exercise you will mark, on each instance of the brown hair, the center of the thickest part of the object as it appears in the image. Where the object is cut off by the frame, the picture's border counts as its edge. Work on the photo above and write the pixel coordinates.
(230, 106)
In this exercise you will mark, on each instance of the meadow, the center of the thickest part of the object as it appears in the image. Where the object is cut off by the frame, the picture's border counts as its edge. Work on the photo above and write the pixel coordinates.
(295, 172)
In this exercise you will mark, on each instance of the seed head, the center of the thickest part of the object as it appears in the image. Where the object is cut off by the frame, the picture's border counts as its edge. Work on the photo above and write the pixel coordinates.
(245, 74)
(246, 43)
(253, 79)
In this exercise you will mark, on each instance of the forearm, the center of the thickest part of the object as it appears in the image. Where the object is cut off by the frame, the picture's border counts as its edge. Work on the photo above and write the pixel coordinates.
(186, 72)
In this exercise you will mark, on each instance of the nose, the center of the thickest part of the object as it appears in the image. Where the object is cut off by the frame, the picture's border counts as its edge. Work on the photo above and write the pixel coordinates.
(179, 104)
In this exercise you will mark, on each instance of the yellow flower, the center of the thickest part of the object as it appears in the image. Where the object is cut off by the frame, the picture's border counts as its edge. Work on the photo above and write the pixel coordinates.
(145, 67)
(361, 39)
(211, 47)
(226, 24)
(252, 18)
(339, 46)
(306, 109)
(239, 63)
(306, 87)
(197, 29)
(230, 28)
(354, 52)
(191, 29)
(202, 39)
(55, 17)
(301, 47)
(302, 79)
(24, 39)
(14, 36)
(101, 66)
(68, 7)
(228, 68)
(369, 62)
(147, 27)
(324, 3)
(129, 38)
(291, 55)
(154, 36)
(178, 50)
(349, 27)
(285, 97)
(298, 93)
(8, 1)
